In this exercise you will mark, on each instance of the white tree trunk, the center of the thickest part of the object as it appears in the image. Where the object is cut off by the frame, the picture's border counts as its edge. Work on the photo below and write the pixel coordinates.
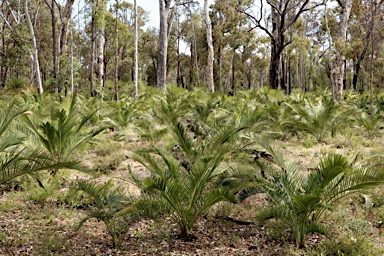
(117, 53)
(136, 59)
(166, 20)
(100, 57)
(35, 51)
(163, 45)
(210, 58)
(339, 69)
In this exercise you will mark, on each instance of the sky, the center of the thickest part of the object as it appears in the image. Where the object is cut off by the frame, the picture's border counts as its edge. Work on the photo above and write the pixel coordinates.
(152, 6)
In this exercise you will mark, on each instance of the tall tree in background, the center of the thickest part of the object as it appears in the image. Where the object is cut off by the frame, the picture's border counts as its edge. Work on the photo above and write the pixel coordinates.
(211, 85)
(117, 52)
(361, 30)
(136, 60)
(65, 16)
(284, 14)
(167, 15)
(100, 28)
(338, 71)
(55, 53)
(34, 55)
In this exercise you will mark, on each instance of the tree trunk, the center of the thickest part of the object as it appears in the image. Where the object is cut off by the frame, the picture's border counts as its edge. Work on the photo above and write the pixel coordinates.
(166, 20)
(136, 59)
(72, 82)
(35, 54)
(339, 68)
(178, 54)
(219, 60)
(211, 85)
(92, 87)
(163, 45)
(116, 86)
(233, 71)
(65, 18)
(191, 66)
(52, 8)
(3, 67)
(100, 28)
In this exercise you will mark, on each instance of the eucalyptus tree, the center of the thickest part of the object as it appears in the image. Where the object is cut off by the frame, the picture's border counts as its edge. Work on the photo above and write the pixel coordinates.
(211, 85)
(364, 23)
(59, 30)
(100, 9)
(167, 14)
(230, 31)
(34, 55)
(284, 14)
(14, 40)
(338, 70)
(55, 53)
(168, 9)
(136, 60)
(192, 32)
(116, 80)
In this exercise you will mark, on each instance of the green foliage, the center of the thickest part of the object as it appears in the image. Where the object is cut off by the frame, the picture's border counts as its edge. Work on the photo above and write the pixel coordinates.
(318, 117)
(17, 83)
(184, 183)
(371, 124)
(110, 206)
(349, 245)
(16, 161)
(301, 199)
(64, 134)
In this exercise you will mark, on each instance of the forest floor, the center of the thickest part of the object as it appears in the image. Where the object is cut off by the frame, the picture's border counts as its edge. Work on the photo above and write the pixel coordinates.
(36, 222)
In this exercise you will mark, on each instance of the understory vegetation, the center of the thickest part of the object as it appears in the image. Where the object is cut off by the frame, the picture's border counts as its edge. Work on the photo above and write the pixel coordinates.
(191, 172)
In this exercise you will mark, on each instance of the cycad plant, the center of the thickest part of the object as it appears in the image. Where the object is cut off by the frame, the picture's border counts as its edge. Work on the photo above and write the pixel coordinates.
(109, 205)
(15, 160)
(64, 133)
(300, 199)
(318, 117)
(184, 182)
(371, 124)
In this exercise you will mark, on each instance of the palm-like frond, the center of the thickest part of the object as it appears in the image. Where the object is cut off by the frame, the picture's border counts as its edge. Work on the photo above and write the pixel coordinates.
(113, 208)
(319, 117)
(300, 199)
(13, 165)
(64, 133)
(186, 194)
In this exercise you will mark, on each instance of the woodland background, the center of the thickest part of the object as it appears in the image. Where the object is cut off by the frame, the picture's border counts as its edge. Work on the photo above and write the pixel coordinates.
(244, 44)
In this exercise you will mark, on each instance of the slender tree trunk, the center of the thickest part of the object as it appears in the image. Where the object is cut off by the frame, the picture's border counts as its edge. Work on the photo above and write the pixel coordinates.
(178, 54)
(220, 67)
(163, 46)
(233, 71)
(210, 58)
(339, 68)
(100, 27)
(72, 82)
(371, 105)
(166, 20)
(3, 66)
(92, 87)
(55, 53)
(117, 52)
(191, 66)
(65, 18)
(196, 64)
(35, 54)
(136, 59)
